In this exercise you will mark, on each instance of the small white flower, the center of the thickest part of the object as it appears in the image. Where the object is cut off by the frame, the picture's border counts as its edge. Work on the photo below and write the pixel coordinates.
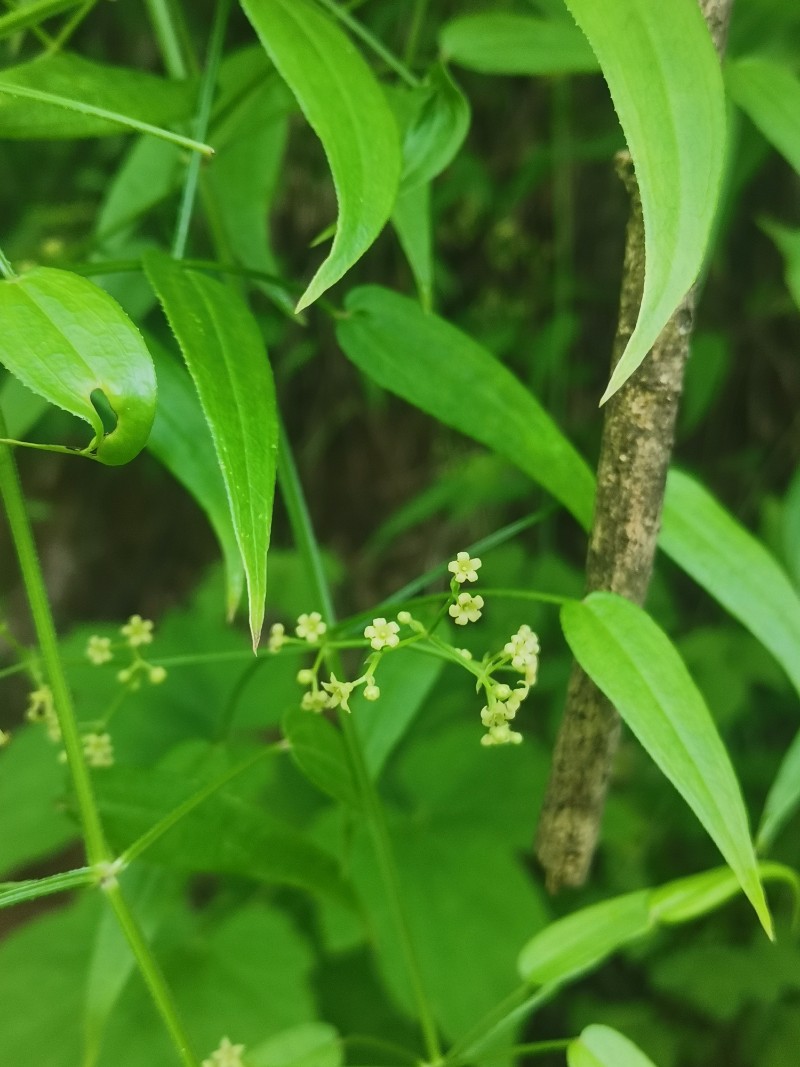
(523, 647)
(339, 692)
(310, 627)
(98, 650)
(463, 568)
(382, 634)
(225, 1055)
(467, 608)
(277, 637)
(98, 750)
(137, 631)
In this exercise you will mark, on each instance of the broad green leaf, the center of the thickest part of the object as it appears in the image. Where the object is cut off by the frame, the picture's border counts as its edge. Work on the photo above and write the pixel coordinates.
(783, 798)
(411, 219)
(734, 567)
(505, 43)
(140, 96)
(319, 751)
(66, 339)
(32, 888)
(579, 942)
(224, 351)
(769, 94)
(346, 108)
(21, 408)
(307, 1045)
(405, 678)
(600, 1046)
(436, 367)
(666, 85)
(635, 665)
(437, 131)
(787, 241)
(180, 439)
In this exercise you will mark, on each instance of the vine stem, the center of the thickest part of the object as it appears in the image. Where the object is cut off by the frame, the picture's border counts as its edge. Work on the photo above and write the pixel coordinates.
(202, 118)
(371, 41)
(306, 542)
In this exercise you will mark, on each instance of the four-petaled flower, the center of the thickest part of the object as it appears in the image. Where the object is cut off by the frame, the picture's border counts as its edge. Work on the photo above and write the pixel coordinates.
(467, 608)
(137, 631)
(338, 692)
(98, 750)
(382, 634)
(463, 568)
(225, 1055)
(311, 627)
(98, 650)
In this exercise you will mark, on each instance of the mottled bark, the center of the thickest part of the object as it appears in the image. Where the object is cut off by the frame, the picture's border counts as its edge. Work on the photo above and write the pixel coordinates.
(635, 452)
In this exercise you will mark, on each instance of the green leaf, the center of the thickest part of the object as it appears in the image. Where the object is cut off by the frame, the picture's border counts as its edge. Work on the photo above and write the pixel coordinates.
(734, 567)
(666, 85)
(635, 665)
(66, 339)
(769, 94)
(579, 942)
(224, 351)
(436, 367)
(505, 43)
(783, 798)
(437, 130)
(318, 750)
(346, 108)
(180, 439)
(21, 408)
(405, 678)
(787, 241)
(600, 1046)
(140, 96)
(688, 898)
(411, 219)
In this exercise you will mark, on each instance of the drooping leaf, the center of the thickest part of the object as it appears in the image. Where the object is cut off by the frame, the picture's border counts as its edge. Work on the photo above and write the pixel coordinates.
(346, 108)
(319, 751)
(141, 96)
(411, 219)
(66, 339)
(224, 351)
(636, 666)
(506, 43)
(769, 93)
(666, 85)
(433, 365)
(734, 567)
(437, 130)
(180, 439)
(600, 1046)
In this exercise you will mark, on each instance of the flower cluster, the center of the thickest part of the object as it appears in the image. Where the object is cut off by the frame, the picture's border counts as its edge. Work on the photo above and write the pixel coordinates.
(521, 655)
(42, 709)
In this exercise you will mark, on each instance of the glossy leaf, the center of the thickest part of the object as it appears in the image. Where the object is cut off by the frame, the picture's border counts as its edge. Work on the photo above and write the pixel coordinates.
(734, 567)
(436, 367)
(666, 85)
(66, 339)
(130, 92)
(600, 1046)
(318, 750)
(635, 665)
(437, 130)
(769, 94)
(222, 345)
(180, 439)
(505, 43)
(346, 108)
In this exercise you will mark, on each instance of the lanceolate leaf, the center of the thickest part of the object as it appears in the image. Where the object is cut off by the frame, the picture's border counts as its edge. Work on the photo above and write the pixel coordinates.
(505, 43)
(181, 440)
(437, 131)
(66, 339)
(222, 345)
(734, 567)
(130, 92)
(639, 670)
(434, 366)
(346, 108)
(769, 93)
(600, 1046)
(666, 85)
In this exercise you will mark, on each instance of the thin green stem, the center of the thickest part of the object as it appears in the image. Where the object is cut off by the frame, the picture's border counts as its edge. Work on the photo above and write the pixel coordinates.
(30, 15)
(207, 86)
(22, 535)
(412, 40)
(37, 31)
(358, 29)
(151, 972)
(70, 26)
(532, 1048)
(127, 121)
(168, 42)
(5, 266)
(306, 541)
(19, 892)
